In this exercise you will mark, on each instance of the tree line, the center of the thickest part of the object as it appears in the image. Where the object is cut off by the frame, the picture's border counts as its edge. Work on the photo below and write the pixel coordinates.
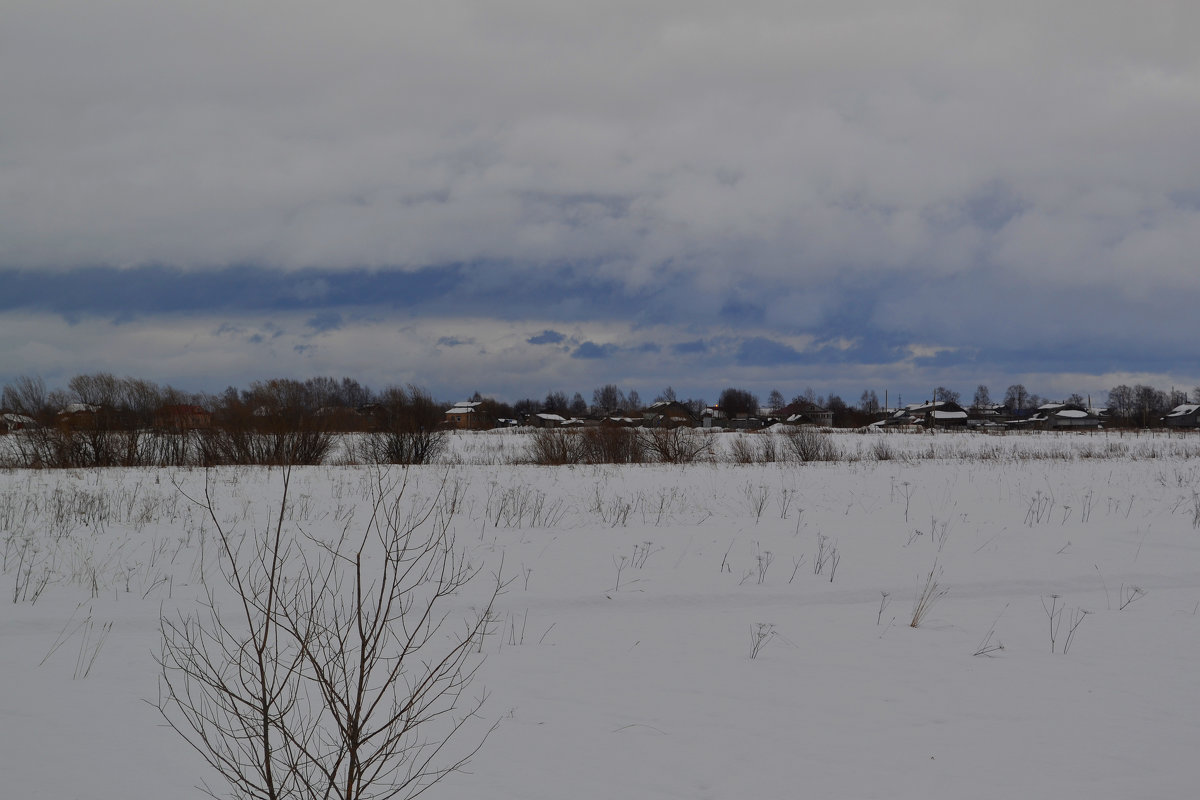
(325, 403)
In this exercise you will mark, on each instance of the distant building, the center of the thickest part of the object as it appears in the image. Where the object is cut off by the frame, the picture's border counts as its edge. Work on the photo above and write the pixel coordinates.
(15, 422)
(1063, 416)
(940, 414)
(802, 412)
(467, 416)
(1184, 416)
(669, 414)
(544, 420)
(715, 417)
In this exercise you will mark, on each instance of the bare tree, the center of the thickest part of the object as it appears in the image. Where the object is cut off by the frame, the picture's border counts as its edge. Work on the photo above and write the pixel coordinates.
(869, 402)
(608, 398)
(679, 445)
(1121, 401)
(738, 401)
(26, 395)
(556, 403)
(1016, 397)
(983, 397)
(1150, 403)
(943, 395)
(336, 671)
(579, 406)
(775, 401)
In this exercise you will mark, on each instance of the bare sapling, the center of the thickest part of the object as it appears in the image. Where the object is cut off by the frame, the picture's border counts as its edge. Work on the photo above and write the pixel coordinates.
(339, 669)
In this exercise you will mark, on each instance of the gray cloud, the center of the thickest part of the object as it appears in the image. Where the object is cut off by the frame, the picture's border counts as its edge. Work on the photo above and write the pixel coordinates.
(798, 138)
(591, 350)
(547, 337)
(325, 322)
(985, 178)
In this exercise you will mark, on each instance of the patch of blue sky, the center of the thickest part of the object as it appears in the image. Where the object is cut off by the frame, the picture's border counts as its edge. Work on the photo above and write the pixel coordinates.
(591, 350)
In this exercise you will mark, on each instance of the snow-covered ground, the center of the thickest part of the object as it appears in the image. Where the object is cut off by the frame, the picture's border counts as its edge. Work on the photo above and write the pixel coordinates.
(620, 662)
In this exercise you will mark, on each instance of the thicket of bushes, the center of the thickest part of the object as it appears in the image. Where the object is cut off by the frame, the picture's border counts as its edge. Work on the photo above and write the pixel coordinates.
(618, 445)
(128, 429)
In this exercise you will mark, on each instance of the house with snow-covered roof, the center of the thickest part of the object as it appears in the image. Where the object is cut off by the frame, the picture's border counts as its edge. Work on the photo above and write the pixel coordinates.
(467, 416)
(15, 422)
(803, 412)
(1183, 416)
(669, 414)
(545, 420)
(937, 414)
(1063, 416)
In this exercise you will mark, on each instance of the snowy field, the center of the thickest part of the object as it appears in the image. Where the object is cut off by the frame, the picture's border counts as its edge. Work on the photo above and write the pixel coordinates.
(704, 631)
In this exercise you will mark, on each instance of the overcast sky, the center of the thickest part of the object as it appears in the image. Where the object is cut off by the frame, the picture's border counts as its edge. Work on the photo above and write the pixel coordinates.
(519, 196)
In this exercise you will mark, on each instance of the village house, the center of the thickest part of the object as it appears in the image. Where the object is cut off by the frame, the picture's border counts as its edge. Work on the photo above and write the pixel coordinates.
(715, 417)
(989, 415)
(939, 414)
(669, 414)
(10, 422)
(803, 412)
(1183, 416)
(544, 420)
(1063, 416)
(467, 416)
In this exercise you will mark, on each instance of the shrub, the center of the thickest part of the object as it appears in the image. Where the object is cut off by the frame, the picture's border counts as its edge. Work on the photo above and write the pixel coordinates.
(555, 447)
(679, 445)
(804, 443)
(610, 444)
